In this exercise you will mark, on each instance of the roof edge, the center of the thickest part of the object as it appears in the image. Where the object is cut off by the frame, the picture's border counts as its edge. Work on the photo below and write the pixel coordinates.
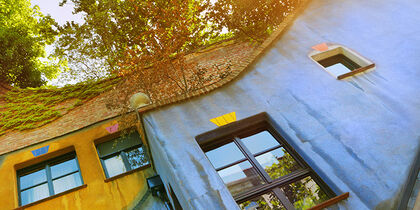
(236, 70)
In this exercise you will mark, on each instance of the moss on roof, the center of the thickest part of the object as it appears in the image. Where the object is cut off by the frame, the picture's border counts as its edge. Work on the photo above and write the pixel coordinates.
(34, 107)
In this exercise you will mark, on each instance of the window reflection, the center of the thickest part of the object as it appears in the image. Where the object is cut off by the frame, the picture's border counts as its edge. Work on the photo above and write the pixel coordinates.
(260, 142)
(266, 201)
(277, 163)
(137, 158)
(34, 194)
(240, 177)
(67, 182)
(34, 184)
(32, 179)
(304, 193)
(64, 168)
(224, 155)
(122, 154)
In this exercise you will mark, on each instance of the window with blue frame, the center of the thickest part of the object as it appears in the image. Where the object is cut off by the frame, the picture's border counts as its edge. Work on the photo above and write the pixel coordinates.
(48, 178)
(122, 154)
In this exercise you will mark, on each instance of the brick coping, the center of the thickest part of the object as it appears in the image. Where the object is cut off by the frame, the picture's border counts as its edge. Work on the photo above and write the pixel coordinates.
(236, 70)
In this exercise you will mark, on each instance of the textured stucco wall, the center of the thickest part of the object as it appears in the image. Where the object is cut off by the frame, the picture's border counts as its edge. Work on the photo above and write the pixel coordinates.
(124, 192)
(361, 133)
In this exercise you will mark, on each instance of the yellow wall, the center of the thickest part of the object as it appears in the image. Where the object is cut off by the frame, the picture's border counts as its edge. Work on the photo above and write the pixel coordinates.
(121, 193)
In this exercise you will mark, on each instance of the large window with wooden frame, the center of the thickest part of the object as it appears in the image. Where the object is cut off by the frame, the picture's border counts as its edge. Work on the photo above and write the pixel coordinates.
(122, 154)
(259, 167)
(48, 178)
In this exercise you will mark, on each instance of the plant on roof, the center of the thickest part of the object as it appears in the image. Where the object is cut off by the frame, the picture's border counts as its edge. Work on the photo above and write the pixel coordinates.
(34, 107)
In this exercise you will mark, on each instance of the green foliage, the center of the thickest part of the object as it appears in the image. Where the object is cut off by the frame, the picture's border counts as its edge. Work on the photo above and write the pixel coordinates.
(121, 34)
(24, 33)
(254, 19)
(304, 193)
(117, 31)
(34, 107)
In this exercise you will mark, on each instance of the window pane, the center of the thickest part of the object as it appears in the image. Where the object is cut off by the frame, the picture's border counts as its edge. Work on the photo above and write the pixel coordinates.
(277, 163)
(137, 158)
(266, 201)
(114, 166)
(224, 155)
(67, 182)
(240, 177)
(260, 141)
(304, 193)
(64, 168)
(119, 144)
(32, 179)
(34, 194)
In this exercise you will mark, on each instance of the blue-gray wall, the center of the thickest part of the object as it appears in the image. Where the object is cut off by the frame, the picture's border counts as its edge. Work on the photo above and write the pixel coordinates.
(361, 133)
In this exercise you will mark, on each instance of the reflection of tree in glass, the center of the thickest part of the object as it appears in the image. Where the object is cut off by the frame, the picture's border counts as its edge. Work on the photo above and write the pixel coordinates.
(304, 193)
(263, 202)
(137, 158)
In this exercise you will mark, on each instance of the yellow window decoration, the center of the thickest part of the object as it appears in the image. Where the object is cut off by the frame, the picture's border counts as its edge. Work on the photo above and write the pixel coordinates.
(224, 119)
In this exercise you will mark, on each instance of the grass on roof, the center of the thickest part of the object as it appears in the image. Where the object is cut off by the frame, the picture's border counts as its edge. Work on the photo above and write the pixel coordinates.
(34, 107)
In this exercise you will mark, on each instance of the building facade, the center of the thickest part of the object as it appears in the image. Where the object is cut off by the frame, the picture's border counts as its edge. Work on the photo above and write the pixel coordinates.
(328, 105)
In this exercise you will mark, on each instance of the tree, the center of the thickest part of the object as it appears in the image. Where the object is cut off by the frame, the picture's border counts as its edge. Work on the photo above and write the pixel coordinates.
(133, 33)
(24, 33)
(149, 39)
(254, 19)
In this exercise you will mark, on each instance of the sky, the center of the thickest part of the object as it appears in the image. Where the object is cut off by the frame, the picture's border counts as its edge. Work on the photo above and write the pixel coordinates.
(61, 15)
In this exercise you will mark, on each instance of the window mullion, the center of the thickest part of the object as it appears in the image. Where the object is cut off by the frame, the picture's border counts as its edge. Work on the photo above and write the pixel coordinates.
(125, 160)
(263, 173)
(49, 179)
(252, 159)
(283, 199)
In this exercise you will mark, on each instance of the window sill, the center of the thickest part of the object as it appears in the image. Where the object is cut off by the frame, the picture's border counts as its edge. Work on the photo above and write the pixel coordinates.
(51, 197)
(127, 173)
(331, 201)
(356, 71)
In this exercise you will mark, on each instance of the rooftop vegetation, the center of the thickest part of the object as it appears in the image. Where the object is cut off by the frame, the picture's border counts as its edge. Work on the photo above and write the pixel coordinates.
(34, 107)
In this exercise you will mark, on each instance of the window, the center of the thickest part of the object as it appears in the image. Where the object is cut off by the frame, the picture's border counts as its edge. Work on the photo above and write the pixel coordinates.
(122, 154)
(341, 62)
(259, 167)
(48, 178)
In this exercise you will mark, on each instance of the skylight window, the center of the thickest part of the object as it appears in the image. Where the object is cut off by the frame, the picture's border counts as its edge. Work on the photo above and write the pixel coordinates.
(340, 61)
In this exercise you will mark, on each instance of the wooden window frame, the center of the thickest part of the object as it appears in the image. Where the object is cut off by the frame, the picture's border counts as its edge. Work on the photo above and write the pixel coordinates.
(233, 132)
(336, 49)
(124, 158)
(46, 165)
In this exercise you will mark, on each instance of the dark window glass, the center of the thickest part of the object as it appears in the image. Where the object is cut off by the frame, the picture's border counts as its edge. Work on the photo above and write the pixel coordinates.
(122, 154)
(48, 178)
(341, 60)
